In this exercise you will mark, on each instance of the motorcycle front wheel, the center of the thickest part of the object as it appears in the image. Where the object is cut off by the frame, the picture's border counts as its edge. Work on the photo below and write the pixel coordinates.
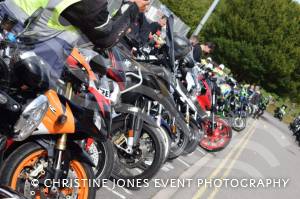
(218, 139)
(28, 164)
(238, 123)
(147, 158)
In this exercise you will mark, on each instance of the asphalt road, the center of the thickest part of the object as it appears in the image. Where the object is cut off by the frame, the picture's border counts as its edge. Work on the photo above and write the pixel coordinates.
(263, 161)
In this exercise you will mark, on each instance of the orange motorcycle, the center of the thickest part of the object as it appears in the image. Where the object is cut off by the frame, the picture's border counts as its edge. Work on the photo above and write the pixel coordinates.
(45, 157)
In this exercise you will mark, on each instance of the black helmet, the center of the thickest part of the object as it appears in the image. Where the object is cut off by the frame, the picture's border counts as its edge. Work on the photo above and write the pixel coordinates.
(33, 72)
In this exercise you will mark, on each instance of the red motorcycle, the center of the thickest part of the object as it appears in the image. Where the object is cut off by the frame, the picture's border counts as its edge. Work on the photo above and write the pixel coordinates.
(217, 131)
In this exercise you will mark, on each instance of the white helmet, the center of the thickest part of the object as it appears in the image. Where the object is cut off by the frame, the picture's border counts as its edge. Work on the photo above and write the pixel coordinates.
(222, 66)
(210, 66)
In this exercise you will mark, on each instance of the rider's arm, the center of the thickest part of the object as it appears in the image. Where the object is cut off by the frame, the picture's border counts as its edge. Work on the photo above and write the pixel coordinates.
(92, 18)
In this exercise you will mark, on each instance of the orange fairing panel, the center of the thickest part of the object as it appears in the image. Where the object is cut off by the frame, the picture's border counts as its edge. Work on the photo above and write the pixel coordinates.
(81, 59)
(56, 109)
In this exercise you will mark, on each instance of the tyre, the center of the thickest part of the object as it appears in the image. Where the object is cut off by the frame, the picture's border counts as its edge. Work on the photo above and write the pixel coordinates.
(102, 154)
(238, 123)
(217, 140)
(167, 141)
(194, 139)
(249, 111)
(178, 145)
(146, 159)
(27, 158)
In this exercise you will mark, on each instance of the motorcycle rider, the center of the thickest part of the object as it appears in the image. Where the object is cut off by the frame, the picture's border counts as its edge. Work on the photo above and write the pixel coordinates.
(63, 22)
(262, 106)
(280, 112)
(255, 99)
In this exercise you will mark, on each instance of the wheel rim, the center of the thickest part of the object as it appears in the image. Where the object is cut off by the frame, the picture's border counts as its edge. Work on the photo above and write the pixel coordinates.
(239, 123)
(75, 166)
(139, 165)
(98, 154)
(218, 139)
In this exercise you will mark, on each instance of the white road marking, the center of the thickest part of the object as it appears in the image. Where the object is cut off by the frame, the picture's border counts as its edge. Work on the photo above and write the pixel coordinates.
(170, 166)
(165, 168)
(201, 151)
(127, 191)
(183, 162)
(189, 173)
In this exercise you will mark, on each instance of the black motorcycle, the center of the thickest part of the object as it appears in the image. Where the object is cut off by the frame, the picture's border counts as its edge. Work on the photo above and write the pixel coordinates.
(262, 106)
(295, 128)
(279, 113)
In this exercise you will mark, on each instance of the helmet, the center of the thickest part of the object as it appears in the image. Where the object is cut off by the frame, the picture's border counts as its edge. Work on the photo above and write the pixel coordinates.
(33, 72)
(209, 66)
(221, 66)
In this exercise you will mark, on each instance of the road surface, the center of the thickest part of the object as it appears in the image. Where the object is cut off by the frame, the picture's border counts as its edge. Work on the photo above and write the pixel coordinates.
(263, 161)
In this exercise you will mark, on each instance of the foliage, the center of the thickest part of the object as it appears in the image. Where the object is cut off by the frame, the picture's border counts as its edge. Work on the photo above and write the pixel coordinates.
(190, 11)
(259, 40)
(292, 111)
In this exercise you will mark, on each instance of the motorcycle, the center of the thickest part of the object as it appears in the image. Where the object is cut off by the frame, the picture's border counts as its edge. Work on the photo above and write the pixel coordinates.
(217, 131)
(262, 106)
(235, 112)
(147, 85)
(294, 124)
(295, 128)
(138, 141)
(279, 113)
(50, 127)
(181, 143)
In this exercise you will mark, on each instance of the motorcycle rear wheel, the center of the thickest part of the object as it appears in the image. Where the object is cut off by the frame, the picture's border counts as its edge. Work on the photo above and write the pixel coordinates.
(194, 138)
(102, 154)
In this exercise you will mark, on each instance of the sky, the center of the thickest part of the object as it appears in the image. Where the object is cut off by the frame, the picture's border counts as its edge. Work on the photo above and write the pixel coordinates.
(297, 1)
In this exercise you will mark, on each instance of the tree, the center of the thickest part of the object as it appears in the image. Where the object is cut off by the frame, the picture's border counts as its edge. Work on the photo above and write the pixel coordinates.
(258, 39)
(190, 11)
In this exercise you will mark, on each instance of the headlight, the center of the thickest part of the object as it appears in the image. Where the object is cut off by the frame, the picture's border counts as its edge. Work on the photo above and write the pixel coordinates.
(31, 118)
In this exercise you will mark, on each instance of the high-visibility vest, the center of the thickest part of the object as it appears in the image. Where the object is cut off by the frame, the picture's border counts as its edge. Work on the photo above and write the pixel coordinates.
(55, 35)
(51, 24)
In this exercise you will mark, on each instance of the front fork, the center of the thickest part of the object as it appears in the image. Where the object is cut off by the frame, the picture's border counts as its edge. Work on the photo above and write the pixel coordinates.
(61, 146)
(3, 142)
(134, 132)
(213, 112)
